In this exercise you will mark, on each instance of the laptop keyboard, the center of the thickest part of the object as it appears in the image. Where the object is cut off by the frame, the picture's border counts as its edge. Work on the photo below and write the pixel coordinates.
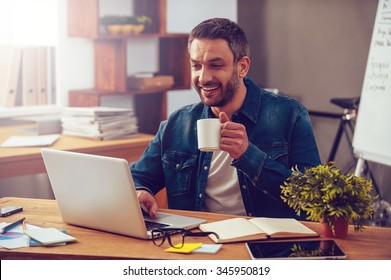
(152, 225)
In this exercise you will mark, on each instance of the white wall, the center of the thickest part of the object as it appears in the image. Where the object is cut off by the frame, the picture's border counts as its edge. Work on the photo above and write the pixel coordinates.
(75, 57)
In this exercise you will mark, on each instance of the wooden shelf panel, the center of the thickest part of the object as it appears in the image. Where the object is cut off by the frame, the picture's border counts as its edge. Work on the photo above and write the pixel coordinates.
(110, 65)
(83, 18)
(140, 36)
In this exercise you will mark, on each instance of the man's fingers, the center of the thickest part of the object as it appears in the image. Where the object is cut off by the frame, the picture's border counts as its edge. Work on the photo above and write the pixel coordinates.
(147, 202)
(223, 117)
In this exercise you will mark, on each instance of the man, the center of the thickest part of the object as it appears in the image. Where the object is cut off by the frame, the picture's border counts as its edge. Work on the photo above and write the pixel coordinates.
(263, 136)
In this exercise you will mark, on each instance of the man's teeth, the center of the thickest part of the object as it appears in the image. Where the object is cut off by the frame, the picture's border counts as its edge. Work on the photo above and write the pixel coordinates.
(210, 88)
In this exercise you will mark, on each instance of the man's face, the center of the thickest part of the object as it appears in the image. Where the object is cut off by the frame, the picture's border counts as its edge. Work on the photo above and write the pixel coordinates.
(214, 75)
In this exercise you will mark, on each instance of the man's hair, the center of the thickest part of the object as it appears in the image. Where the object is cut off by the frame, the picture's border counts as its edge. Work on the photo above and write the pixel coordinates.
(222, 28)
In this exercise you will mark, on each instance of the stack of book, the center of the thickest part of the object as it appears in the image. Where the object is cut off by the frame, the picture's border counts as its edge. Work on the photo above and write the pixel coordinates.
(101, 123)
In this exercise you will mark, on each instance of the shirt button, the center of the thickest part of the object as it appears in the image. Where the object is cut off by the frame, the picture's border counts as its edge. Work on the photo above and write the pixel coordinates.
(177, 166)
(244, 187)
(200, 195)
(205, 167)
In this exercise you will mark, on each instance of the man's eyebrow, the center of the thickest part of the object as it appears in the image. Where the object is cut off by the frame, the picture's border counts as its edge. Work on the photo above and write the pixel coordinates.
(215, 59)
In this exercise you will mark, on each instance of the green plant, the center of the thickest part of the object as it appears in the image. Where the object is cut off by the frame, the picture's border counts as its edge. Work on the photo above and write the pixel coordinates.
(122, 19)
(325, 193)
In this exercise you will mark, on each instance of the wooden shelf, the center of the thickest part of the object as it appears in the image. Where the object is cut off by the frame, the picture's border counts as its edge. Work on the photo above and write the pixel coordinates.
(110, 55)
(83, 17)
(130, 37)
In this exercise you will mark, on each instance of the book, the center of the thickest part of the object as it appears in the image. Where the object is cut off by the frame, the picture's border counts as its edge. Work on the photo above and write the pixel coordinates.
(42, 92)
(29, 76)
(96, 111)
(241, 229)
(142, 81)
(9, 74)
(49, 236)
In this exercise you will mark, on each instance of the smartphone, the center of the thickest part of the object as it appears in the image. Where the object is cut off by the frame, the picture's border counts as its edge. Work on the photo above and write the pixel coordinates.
(9, 210)
(302, 249)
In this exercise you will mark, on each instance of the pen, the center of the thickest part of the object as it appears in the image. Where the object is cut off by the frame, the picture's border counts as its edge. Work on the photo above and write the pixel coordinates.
(12, 225)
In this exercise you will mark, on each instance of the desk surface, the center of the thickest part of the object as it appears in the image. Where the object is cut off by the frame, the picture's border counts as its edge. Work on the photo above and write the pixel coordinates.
(372, 243)
(28, 160)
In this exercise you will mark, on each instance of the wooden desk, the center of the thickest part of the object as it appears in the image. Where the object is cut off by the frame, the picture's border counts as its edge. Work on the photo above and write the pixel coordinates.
(373, 243)
(28, 161)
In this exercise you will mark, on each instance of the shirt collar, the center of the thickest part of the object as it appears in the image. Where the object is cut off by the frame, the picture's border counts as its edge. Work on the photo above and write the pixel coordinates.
(252, 102)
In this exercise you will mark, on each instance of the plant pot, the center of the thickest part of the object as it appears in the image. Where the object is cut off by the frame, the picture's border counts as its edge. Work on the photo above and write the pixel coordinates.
(114, 29)
(341, 226)
(125, 29)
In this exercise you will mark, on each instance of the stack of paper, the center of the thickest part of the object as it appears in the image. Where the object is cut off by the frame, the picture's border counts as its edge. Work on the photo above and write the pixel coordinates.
(101, 123)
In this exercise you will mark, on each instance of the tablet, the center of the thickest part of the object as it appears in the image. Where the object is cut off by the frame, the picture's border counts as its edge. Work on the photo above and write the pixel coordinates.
(300, 249)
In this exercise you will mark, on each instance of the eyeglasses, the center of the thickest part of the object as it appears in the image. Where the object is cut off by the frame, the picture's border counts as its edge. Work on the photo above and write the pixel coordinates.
(175, 236)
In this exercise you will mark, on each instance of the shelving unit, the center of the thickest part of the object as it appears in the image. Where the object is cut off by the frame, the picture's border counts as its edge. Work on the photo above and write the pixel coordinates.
(111, 58)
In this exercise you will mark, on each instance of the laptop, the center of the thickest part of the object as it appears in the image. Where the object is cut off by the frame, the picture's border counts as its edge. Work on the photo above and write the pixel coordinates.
(98, 192)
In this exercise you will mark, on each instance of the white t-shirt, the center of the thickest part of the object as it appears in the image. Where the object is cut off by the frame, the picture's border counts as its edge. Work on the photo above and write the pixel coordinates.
(222, 194)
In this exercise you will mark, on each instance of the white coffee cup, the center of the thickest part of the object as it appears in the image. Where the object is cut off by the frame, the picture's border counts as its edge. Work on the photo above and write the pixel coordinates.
(208, 134)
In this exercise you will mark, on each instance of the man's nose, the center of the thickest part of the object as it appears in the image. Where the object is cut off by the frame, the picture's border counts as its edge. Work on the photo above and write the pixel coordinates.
(204, 75)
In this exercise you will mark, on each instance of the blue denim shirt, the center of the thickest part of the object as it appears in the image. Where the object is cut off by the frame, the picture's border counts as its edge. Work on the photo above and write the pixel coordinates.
(280, 135)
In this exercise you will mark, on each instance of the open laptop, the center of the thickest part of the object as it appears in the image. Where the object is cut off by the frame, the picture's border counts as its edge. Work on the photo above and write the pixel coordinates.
(98, 192)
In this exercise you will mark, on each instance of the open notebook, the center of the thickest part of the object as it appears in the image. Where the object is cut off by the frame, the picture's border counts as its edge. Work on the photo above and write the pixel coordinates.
(241, 229)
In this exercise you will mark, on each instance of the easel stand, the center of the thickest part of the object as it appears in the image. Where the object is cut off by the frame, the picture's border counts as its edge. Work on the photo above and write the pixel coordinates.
(346, 127)
(361, 168)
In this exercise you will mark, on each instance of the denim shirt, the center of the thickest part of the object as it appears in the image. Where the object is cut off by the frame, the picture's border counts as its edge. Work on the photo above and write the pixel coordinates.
(280, 135)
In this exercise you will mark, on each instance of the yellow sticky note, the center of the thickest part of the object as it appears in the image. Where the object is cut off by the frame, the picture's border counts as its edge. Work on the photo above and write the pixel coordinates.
(187, 248)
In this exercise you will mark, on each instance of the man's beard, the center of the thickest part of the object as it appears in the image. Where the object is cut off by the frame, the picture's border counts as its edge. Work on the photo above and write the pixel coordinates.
(227, 94)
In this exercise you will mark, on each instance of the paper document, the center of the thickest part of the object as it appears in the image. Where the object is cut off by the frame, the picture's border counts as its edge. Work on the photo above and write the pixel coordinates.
(15, 238)
(30, 141)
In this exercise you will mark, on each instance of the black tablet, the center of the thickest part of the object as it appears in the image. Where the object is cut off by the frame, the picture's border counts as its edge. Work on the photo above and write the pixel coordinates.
(300, 249)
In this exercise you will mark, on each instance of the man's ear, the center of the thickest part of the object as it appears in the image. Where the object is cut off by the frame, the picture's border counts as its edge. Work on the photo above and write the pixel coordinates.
(243, 66)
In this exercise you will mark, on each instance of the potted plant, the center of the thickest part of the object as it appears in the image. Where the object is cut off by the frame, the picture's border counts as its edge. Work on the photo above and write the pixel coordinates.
(122, 24)
(329, 196)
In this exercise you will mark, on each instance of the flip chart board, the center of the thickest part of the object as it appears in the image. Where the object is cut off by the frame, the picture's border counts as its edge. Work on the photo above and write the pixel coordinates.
(372, 137)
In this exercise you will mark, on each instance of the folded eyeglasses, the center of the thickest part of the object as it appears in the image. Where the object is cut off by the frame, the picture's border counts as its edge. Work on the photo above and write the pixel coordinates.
(175, 236)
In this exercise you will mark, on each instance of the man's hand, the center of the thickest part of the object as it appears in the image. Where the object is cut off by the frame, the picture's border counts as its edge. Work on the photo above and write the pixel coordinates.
(233, 137)
(147, 202)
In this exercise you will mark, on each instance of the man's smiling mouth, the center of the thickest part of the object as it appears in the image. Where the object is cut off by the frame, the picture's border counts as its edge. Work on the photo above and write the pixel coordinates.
(209, 87)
